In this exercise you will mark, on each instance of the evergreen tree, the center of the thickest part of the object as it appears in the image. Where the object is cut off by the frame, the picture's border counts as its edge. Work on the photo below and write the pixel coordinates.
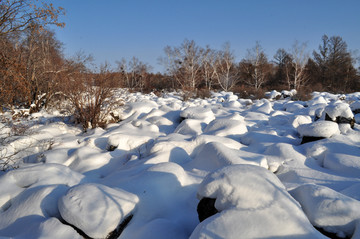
(334, 63)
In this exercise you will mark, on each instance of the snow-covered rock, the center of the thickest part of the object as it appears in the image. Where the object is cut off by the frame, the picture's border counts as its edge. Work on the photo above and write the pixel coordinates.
(328, 209)
(324, 129)
(340, 113)
(96, 209)
(355, 107)
(234, 125)
(214, 155)
(199, 113)
(252, 203)
(166, 151)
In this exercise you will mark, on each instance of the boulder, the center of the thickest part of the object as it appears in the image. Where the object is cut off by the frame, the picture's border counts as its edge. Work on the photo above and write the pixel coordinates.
(97, 210)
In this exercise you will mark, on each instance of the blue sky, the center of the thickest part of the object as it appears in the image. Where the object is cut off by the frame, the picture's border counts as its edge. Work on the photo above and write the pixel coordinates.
(114, 29)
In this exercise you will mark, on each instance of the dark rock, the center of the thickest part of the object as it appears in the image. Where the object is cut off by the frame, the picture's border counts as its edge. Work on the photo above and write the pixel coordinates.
(357, 111)
(307, 139)
(206, 208)
(112, 235)
(111, 147)
(182, 119)
(329, 234)
(117, 232)
(342, 120)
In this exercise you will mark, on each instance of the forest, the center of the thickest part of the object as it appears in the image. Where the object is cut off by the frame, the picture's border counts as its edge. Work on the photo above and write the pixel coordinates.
(34, 73)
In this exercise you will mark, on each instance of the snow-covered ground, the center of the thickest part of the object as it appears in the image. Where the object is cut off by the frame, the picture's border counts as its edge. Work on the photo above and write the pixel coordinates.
(245, 161)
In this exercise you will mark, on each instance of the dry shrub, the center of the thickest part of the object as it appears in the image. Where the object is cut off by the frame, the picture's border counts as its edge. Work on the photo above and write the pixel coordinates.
(203, 93)
(246, 92)
(302, 95)
(92, 98)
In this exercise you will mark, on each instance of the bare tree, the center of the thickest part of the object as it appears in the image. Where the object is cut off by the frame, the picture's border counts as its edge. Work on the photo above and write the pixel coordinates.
(19, 15)
(296, 75)
(225, 70)
(134, 72)
(184, 63)
(209, 67)
(44, 62)
(255, 68)
(26, 49)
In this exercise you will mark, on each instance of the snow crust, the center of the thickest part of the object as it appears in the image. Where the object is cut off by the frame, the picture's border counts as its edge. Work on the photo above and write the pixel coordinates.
(166, 154)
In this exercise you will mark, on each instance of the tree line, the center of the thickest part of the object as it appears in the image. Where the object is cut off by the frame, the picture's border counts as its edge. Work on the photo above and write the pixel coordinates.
(34, 71)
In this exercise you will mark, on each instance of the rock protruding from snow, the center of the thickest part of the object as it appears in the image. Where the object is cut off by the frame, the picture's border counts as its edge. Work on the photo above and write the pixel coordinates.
(96, 209)
(328, 209)
(243, 195)
(340, 113)
(288, 94)
(318, 130)
(206, 208)
(272, 94)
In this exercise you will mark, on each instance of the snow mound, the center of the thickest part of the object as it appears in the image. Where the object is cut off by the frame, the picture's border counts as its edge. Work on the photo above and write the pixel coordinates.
(337, 109)
(357, 118)
(126, 141)
(272, 94)
(16, 181)
(324, 129)
(344, 163)
(252, 203)
(328, 209)
(240, 186)
(30, 208)
(318, 100)
(191, 127)
(50, 229)
(214, 155)
(199, 113)
(355, 106)
(96, 209)
(293, 107)
(287, 93)
(262, 106)
(300, 120)
(226, 126)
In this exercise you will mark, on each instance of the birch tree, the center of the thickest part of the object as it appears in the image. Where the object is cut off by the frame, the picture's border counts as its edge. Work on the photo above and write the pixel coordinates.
(209, 68)
(134, 72)
(184, 63)
(296, 75)
(255, 68)
(225, 71)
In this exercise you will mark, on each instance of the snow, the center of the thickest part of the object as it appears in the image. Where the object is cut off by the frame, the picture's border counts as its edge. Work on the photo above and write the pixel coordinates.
(166, 154)
(336, 109)
(253, 203)
(355, 106)
(96, 209)
(328, 209)
(324, 129)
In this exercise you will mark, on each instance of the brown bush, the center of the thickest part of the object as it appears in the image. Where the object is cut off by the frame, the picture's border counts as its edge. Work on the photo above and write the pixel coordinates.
(249, 92)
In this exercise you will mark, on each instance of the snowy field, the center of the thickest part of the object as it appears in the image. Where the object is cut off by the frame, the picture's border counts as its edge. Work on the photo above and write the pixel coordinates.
(247, 169)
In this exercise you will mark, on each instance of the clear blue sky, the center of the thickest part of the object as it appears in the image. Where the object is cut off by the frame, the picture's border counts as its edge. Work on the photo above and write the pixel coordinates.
(115, 29)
